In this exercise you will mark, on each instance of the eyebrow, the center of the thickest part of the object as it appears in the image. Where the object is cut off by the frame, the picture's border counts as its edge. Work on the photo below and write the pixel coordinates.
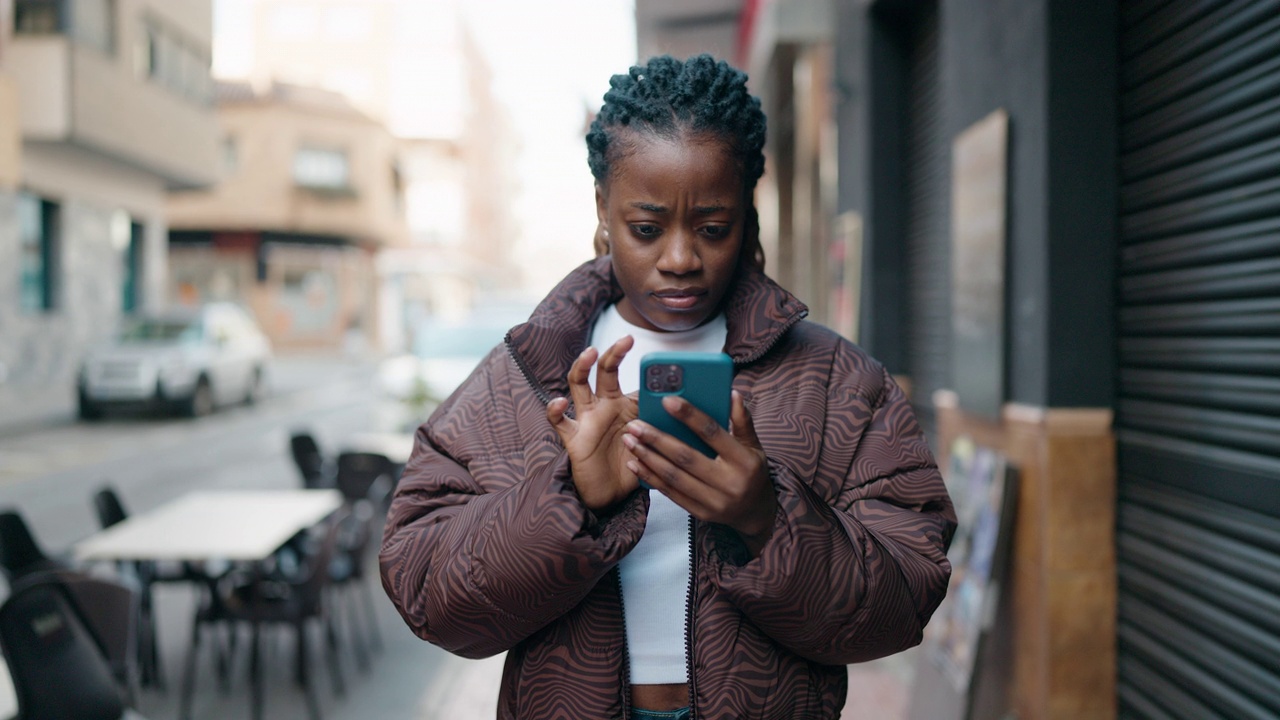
(700, 209)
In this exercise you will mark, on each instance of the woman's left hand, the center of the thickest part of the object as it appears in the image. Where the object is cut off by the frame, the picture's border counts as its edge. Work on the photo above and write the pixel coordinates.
(732, 489)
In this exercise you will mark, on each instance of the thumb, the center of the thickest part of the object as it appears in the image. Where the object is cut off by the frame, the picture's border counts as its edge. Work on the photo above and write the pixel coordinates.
(564, 425)
(740, 424)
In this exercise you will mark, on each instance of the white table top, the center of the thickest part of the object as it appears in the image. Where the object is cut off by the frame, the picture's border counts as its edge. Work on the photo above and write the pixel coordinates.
(208, 524)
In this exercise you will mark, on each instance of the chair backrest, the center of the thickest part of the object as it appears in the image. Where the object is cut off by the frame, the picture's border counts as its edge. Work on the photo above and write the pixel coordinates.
(57, 666)
(308, 458)
(107, 504)
(20, 554)
(312, 587)
(358, 472)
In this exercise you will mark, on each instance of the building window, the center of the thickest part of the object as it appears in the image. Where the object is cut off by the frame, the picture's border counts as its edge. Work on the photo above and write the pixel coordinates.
(164, 56)
(321, 169)
(39, 17)
(89, 22)
(37, 228)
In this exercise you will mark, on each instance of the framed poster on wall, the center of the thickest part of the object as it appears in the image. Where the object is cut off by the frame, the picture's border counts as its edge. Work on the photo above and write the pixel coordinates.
(982, 485)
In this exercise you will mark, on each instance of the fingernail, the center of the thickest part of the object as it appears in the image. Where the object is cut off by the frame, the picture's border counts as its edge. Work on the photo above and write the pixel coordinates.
(633, 467)
(629, 441)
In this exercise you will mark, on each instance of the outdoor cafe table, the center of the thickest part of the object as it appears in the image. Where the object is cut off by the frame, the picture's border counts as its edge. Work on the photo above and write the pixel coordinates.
(234, 525)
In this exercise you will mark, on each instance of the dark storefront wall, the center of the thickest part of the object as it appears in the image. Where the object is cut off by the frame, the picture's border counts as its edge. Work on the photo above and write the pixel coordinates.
(1198, 417)
(910, 82)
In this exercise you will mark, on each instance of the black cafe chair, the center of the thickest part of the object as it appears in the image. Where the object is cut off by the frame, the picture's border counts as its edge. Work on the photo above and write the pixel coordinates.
(258, 599)
(110, 510)
(364, 479)
(309, 460)
(60, 632)
(20, 553)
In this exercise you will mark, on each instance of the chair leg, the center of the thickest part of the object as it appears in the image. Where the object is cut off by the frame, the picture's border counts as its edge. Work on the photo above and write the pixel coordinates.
(226, 653)
(357, 635)
(371, 609)
(304, 669)
(339, 688)
(150, 667)
(189, 672)
(256, 671)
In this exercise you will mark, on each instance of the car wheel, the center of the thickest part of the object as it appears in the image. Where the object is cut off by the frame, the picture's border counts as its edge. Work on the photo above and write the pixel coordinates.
(88, 409)
(201, 401)
(253, 393)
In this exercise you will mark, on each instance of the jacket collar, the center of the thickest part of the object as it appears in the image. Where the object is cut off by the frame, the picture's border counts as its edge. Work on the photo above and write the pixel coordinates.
(757, 310)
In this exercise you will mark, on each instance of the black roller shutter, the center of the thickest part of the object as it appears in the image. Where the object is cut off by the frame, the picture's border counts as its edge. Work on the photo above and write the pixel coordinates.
(1198, 417)
(928, 255)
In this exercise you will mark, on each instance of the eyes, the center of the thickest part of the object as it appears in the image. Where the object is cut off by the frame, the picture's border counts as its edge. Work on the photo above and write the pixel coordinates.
(710, 231)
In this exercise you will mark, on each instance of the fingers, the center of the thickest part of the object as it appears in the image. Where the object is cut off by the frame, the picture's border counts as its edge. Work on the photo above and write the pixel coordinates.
(702, 424)
(607, 369)
(579, 373)
(666, 476)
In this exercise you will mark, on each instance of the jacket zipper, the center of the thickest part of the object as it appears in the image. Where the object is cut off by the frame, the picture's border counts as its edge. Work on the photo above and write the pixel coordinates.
(626, 658)
(538, 390)
(691, 601)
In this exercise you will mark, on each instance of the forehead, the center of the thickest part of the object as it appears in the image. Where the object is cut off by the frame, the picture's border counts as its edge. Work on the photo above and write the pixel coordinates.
(652, 162)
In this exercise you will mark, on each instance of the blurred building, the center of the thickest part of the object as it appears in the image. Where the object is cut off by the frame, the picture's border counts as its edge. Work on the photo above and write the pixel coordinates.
(104, 107)
(311, 191)
(1061, 221)
(414, 67)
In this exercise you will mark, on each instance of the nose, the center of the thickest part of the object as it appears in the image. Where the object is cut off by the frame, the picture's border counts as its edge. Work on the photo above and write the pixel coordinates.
(680, 254)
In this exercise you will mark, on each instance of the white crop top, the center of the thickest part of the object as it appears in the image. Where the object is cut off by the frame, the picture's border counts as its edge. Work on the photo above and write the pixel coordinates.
(655, 574)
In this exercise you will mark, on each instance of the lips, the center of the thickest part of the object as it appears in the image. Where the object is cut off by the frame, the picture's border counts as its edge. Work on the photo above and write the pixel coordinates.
(680, 298)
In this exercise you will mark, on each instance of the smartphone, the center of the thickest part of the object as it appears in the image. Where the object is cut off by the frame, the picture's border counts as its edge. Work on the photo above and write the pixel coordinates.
(704, 379)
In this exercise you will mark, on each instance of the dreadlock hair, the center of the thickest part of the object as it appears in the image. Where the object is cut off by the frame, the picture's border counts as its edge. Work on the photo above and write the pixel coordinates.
(667, 97)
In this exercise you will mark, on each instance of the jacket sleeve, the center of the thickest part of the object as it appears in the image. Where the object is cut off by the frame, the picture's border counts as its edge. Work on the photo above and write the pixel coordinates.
(855, 574)
(483, 544)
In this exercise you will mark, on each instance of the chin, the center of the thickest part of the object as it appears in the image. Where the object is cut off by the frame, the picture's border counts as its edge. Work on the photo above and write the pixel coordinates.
(668, 321)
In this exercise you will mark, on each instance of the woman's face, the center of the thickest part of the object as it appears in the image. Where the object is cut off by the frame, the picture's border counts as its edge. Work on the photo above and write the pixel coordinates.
(674, 209)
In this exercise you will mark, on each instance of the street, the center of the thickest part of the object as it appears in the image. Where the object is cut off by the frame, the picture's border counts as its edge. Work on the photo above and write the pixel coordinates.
(50, 476)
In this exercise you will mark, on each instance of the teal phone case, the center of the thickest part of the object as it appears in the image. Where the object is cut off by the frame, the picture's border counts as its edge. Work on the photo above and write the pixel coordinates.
(705, 379)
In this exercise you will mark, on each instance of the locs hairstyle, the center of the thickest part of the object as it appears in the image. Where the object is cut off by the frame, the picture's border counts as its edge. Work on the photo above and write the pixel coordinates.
(667, 97)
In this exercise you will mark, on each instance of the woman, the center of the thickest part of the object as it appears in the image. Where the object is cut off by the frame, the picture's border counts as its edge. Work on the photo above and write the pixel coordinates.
(736, 587)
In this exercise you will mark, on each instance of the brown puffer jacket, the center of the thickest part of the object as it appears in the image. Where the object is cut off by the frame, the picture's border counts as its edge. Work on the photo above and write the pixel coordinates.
(488, 548)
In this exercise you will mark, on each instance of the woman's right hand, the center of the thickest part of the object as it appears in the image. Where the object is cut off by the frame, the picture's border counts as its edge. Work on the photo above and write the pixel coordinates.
(593, 437)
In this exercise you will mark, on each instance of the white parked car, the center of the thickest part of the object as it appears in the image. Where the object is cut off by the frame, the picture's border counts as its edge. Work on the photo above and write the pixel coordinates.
(191, 360)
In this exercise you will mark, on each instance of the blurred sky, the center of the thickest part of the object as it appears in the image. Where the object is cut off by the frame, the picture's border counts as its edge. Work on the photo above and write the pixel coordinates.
(551, 61)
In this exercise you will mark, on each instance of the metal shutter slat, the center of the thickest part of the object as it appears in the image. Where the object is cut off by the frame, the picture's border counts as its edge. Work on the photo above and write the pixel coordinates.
(1200, 389)
(1260, 238)
(1163, 22)
(1224, 43)
(1251, 162)
(1242, 638)
(1254, 527)
(1244, 689)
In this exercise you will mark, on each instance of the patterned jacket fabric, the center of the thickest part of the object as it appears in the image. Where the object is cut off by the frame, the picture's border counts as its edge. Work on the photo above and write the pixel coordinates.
(488, 548)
